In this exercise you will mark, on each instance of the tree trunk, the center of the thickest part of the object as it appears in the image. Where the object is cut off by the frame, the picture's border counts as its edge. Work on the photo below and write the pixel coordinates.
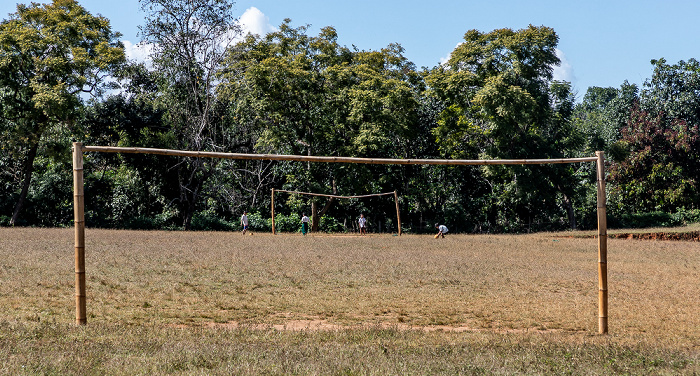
(315, 220)
(570, 211)
(326, 207)
(197, 174)
(28, 171)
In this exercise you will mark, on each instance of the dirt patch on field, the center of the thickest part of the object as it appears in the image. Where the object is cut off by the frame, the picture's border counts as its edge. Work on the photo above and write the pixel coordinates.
(692, 236)
(318, 324)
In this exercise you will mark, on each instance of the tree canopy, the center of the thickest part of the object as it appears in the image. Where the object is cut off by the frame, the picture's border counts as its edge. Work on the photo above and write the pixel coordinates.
(50, 55)
(289, 92)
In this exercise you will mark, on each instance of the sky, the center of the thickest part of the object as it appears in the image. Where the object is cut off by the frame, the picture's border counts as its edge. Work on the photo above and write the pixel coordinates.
(601, 43)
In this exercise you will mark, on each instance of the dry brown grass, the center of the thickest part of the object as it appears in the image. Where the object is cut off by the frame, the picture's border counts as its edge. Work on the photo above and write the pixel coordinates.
(493, 284)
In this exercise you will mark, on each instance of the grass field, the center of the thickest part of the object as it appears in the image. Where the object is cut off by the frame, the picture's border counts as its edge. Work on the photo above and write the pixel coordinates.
(224, 303)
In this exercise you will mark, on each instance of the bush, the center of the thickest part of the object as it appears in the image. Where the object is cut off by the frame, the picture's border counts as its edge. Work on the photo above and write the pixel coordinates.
(330, 224)
(209, 222)
(644, 220)
(290, 223)
(687, 216)
(143, 223)
(258, 223)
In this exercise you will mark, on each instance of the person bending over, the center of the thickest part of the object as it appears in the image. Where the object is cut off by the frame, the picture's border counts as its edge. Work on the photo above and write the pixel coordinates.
(442, 230)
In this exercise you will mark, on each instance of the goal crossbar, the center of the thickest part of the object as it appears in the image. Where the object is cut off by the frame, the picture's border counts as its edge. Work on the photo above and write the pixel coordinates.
(79, 201)
(311, 158)
(334, 196)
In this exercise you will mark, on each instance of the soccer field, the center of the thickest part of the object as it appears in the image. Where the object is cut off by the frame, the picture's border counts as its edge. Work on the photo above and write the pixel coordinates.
(500, 286)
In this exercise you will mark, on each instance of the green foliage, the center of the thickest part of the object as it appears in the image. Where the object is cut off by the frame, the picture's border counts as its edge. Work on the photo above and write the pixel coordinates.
(205, 221)
(601, 115)
(311, 96)
(662, 171)
(672, 91)
(289, 92)
(257, 222)
(189, 39)
(50, 54)
(645, 220)
(287, 223)
(499, 101)
(330, 224)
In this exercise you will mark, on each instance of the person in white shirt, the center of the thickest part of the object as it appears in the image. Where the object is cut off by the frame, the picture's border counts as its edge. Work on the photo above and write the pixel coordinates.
(363, 224)
(304, 224)
(244, 222)
(442, 230)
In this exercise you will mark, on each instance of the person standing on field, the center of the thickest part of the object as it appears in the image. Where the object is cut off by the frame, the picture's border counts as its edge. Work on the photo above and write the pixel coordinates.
(244, 222)
(363, 224)
(304, 224)
(442, 230)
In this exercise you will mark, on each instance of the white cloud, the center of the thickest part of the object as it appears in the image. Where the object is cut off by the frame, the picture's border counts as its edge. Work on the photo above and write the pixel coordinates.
(563, 72)
(139, 52)
(444, 60)
(253, 21)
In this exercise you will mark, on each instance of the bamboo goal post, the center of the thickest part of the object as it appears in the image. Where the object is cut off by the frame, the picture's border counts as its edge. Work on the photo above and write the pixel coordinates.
(396, 201)
(79, 203)
(602, 247)
(79, 223)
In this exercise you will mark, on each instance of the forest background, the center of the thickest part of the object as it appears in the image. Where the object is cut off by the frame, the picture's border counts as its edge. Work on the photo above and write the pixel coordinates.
(64, 78)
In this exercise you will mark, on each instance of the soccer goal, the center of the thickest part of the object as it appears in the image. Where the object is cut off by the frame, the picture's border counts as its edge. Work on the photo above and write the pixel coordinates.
(396, 201)
(79, 202)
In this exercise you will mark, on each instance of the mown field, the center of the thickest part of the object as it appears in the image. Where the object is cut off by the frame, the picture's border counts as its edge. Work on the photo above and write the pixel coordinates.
(223, 303)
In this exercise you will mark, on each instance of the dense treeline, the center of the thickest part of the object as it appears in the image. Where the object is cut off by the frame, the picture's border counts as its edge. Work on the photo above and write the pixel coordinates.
(289, 92)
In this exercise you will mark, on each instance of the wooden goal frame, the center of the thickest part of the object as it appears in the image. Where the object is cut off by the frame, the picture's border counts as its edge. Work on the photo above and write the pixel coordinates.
(79, 202)
(396, 201)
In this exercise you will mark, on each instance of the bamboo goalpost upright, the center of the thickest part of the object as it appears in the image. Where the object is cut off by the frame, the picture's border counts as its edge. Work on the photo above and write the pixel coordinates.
(602, 247)
(398, 215)
(272, 204)
(79, 223)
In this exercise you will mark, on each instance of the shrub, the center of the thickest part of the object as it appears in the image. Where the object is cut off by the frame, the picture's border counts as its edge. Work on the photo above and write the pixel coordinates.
(142, 223)
(290, 223)
(330, 224)
(258, 223)
(643, 220)
(206, 221)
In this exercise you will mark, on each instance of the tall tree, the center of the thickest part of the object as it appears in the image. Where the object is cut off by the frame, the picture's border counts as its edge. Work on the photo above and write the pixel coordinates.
(50, 55)
(673, 91)
(501, 102)
(601, 115)
(661, 168)
(189, 39)
(309, 95)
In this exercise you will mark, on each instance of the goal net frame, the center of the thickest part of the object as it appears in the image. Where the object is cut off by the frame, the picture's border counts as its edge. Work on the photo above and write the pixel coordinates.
(79, 202)
(396, 201)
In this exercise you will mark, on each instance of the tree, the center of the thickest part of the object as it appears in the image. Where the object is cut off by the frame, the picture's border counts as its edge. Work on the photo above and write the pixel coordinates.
(673, 91)
(601, 115)
(661, 168)
(189, 38)
(662, 171)
(500, 102)
(50, 55)
(311, 96)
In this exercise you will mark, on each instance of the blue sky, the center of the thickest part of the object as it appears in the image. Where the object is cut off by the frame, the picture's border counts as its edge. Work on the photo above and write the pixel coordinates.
(601, 43)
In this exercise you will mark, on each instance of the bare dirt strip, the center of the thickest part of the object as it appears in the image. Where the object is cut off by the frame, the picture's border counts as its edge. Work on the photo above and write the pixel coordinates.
(692, 236)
